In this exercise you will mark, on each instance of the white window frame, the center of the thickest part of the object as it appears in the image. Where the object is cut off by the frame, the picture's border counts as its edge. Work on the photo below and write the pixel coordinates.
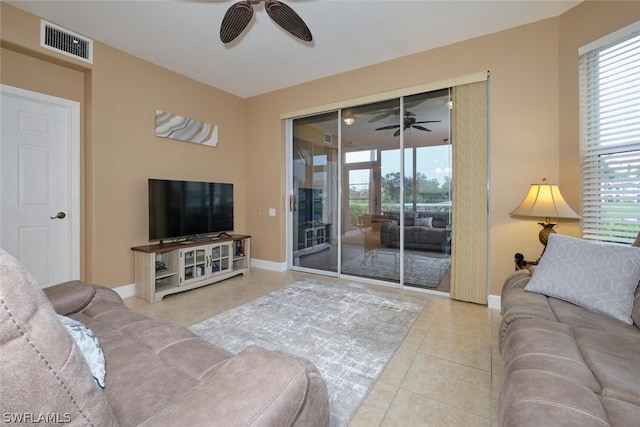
(610, 136)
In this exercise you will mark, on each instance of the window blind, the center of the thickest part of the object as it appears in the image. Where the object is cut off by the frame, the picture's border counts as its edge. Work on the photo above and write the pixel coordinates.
(610, 140)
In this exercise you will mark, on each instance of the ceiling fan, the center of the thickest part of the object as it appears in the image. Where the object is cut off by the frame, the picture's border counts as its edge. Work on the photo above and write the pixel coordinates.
(239, 15)
(409, 122)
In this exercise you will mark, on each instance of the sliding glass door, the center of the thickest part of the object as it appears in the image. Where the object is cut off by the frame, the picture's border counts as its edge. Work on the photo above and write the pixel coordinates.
(389, 165)
(427, 191)
(370, 161)
(314, 198)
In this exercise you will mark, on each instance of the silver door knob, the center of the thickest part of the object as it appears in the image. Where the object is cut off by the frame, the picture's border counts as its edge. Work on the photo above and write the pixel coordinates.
(60, 215)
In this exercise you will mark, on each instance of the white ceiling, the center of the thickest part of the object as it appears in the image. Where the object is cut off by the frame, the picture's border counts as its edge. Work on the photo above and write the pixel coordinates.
(183, 36)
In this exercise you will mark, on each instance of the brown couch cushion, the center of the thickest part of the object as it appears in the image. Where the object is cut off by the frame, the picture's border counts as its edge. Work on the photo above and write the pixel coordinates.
(42, 370)
(534, 398)
(614, 359)
(536, 344)
(519, 304)
(578, 317)
(620, 413)
(255, 388)
(155, 361)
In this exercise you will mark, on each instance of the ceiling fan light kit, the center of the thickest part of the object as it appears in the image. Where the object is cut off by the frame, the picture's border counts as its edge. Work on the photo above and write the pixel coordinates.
(239, 15)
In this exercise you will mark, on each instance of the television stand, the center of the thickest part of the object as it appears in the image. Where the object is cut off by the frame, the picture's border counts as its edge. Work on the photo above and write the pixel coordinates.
(161, 270)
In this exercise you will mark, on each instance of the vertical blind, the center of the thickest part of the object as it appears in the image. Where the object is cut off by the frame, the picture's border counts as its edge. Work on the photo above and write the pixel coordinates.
(610, 140)
(470, 234)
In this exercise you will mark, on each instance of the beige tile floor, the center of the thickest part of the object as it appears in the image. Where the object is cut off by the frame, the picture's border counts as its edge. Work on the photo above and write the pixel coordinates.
(447, 372)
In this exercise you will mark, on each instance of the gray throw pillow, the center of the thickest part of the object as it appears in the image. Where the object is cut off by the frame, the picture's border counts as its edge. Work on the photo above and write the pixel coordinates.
(597, 276)
(425, 222)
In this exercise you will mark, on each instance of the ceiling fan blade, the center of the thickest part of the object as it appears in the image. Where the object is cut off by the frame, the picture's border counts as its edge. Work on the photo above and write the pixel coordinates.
(388, 127)
(235, 21)
(284, 16)
(396, 133)
(379, 117)
(421, 128)
(430, 121)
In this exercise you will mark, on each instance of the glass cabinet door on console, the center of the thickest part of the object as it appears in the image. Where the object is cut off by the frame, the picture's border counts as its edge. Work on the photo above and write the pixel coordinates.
(204, 261)
(193, 263)
(219, 258)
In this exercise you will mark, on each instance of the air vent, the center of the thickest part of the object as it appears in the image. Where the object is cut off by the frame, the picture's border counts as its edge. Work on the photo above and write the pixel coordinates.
(66, 42)
(327, 138)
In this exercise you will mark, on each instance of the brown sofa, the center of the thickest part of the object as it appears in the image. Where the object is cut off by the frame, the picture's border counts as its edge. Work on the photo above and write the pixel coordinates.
(416, 236)
(564, 365)
(157, 373)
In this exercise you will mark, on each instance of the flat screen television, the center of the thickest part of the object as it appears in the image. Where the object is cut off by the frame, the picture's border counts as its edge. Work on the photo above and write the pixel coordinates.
(189, 208)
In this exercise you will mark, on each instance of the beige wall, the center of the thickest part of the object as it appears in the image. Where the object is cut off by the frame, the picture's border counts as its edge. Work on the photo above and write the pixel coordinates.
(120, 151)
(533, 71)
(533, 131)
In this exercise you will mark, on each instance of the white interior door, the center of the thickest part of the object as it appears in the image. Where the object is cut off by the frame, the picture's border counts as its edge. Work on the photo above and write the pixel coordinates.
(39, 205)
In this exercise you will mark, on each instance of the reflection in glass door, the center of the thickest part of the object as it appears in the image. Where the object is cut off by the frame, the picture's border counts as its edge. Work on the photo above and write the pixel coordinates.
(314, 202)
(370, 188)
(361, 197)
(427, 194)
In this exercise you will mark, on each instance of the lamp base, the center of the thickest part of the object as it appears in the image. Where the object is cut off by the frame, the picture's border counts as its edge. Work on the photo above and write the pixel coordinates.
(547, 229)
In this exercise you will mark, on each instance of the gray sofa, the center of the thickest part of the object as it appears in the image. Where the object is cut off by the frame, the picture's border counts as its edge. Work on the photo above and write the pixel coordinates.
(564, 365)
(157, 373)
(428, 238)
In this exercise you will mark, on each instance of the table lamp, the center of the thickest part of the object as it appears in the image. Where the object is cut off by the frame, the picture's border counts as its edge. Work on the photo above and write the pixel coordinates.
(545, 200)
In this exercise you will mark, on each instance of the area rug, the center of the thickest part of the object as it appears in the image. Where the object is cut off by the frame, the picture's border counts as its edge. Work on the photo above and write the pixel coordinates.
(349, 332)
(420, 269)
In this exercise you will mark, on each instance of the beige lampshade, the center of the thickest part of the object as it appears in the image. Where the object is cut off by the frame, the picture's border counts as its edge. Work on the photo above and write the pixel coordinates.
(545, 201)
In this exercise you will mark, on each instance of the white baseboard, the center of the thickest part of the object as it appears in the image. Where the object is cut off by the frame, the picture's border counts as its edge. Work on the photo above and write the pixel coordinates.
(126, 291)
(269, 265)
(495, 302)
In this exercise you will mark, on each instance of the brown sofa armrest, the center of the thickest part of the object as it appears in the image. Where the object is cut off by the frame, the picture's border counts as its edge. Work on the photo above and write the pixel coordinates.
(517, 279)
(74, 296)
(70, 297)
(257, 387)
